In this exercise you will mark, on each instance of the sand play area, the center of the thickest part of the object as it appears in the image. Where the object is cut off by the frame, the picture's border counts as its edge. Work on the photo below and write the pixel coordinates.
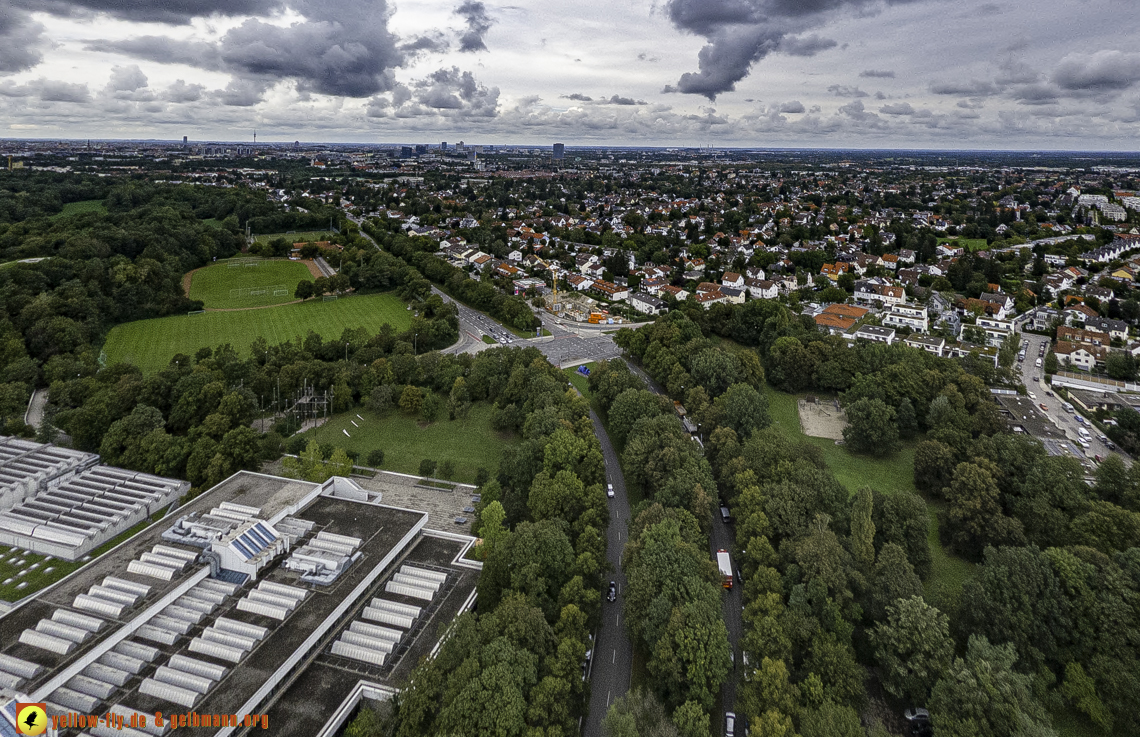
(822, 418)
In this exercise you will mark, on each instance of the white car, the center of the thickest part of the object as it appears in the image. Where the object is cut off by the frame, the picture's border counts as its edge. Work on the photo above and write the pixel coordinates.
(610, 490)
(1032, 396)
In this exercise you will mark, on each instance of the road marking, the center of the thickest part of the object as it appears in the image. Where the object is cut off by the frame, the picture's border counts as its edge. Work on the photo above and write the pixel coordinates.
(615, 656)
(608, 696)
(617, 621)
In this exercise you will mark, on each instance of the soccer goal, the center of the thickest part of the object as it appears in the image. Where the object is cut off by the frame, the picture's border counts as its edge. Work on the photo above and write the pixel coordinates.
(238, 263)
(330, 298)
(280, 292)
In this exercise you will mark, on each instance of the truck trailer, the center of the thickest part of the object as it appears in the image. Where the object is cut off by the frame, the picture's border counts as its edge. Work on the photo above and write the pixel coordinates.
(724, 563)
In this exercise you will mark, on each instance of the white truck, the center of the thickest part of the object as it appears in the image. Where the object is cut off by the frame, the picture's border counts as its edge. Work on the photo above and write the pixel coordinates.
(724, 563)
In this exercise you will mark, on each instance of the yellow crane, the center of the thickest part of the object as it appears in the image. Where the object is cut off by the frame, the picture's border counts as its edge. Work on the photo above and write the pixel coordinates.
(554, 276)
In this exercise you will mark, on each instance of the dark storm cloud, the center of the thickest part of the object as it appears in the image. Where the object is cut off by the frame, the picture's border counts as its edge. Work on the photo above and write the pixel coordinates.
(806, 45)
(163, 50)
(342, 48)
(48, 90)
(579, 97)
(877, 74)
(478, 23)
(168, 11)
(21, 39)
(795, 106)
(742, 32)
(619, 100)
(1104, 71)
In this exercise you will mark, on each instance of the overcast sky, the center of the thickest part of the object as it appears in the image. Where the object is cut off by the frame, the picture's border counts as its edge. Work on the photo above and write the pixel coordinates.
(1053, 74)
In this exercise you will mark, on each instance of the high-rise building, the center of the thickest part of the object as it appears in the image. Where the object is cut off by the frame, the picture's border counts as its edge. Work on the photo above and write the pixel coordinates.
(559, 151)
(185, 139)
(443, 146)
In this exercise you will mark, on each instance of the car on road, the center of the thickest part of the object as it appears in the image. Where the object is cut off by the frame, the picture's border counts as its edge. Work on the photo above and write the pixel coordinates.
(1048, 393)
(918, 720)
(1043, 407)
(725, 515)
(610, 490)
(611, 595)
(1033, 396)
(729, 724)
(1111, 445)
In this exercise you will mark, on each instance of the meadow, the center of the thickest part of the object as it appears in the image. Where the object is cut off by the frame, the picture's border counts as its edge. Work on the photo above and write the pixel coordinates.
(75, 208)
(469, 443)
(150, 344)
(234, 284)
(299, 236)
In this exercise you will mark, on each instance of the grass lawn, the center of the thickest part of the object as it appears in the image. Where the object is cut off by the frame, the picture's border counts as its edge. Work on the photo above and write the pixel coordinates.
(74, 208)
(232, 283)
(303, 235)
(39, 578)
(970, 244)
(469, 443)
(580, 382)
(150, 344)
(891, 475)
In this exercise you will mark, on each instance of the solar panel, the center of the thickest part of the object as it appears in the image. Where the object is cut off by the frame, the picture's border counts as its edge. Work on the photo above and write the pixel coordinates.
(242, 550)
(251, 542)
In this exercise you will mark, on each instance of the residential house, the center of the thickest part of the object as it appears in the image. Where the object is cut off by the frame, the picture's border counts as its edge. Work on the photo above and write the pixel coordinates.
(868, 291)
(733, 295)
(578, 283)
(834, 271)
(930, 343)
(762, 288)
(610, 290)
(913, 317)
(839, 318)
(1003, 301)
(676, 292)
(996, 330)
(481, 262)
(516, 255)
(1079, 313)
(1079, 354)
(732, 279)
(1083, 337)
(647, 303)
(1115, 328)
(873, 333)
(704, 299)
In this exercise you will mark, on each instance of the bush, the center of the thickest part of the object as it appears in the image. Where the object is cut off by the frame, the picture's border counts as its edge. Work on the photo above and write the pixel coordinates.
(295, 445)
(447, 469)
(482, 476)
(427, 467)
(376, 458)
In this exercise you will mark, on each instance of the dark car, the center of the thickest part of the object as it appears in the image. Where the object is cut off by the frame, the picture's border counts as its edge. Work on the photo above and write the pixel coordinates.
(612, 594)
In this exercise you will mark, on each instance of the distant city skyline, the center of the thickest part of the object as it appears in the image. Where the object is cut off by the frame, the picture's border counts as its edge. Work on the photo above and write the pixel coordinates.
(916, 74)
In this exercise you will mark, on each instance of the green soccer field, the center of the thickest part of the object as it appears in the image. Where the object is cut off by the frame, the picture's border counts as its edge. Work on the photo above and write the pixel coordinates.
(150, 344)
(301, 235)
(468, 443)
(235, 283)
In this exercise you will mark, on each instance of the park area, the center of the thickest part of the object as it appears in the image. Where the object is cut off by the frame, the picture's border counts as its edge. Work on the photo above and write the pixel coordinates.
(890, 475)
(307, 236)
(469, 443)
(150, 344)
(247, 282)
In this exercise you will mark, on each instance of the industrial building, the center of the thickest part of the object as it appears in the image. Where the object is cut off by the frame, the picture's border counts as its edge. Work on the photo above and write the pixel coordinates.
(264, 595)
(63, 503)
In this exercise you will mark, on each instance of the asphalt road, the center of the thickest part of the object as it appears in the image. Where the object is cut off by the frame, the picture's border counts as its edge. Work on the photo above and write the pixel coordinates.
(721, 537)
(1039, 390)
(611, 666)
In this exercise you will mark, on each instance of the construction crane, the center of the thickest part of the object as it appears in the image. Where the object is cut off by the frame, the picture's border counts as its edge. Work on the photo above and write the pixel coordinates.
(554, 276)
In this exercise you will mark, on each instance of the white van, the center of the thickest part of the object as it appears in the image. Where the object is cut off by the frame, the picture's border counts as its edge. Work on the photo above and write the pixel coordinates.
(1038, 363)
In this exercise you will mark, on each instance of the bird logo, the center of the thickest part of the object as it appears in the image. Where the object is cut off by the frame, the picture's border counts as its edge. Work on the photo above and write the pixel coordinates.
(31, 718)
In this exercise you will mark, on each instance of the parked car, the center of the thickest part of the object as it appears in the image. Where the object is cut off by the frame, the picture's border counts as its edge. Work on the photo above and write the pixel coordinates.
(611, 595)
(1043, 407)
(729, 724)
(610, 490)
